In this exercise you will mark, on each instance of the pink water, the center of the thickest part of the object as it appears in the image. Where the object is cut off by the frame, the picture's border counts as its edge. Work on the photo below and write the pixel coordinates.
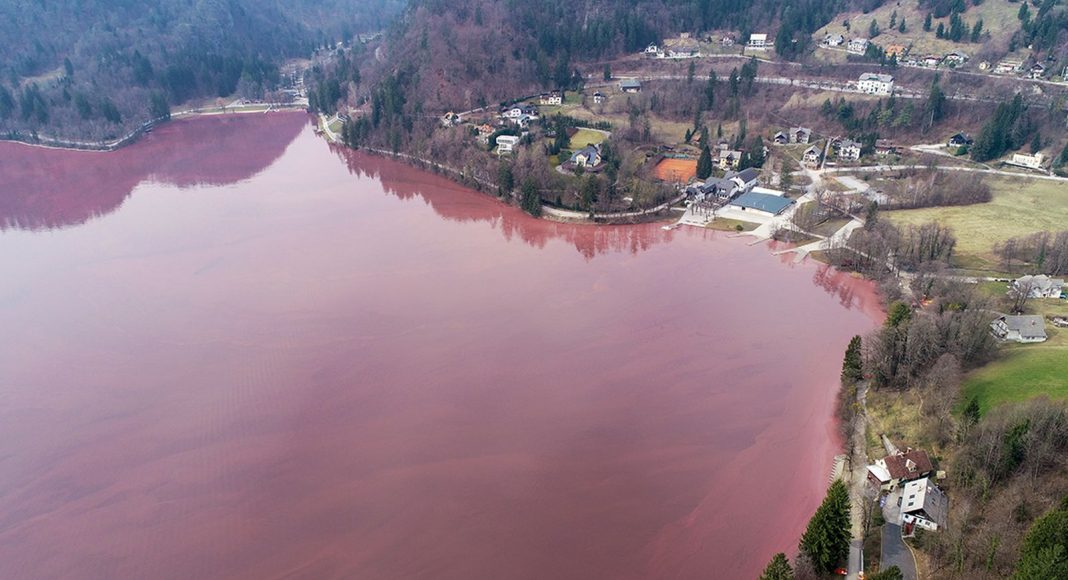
(231, 352)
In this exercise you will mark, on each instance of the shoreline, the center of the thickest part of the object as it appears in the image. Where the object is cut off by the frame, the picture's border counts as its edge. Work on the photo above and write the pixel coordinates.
(58, 144)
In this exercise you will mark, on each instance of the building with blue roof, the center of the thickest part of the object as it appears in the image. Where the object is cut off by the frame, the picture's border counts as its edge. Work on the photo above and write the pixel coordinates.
(762, 203)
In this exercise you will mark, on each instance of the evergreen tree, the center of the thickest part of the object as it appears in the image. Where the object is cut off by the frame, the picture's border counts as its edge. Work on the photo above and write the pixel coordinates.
(873, 29)
(940, 32)
(852, 370)
(778, 569)
(927, 23)
(505, 179)
(972, 413)
(1062, 160)
(934, 109)
(977, 31)
(607, 73)
(1023, 15)
(530, 201)
(891, 573)
(1044, 552)
(704, 162)
(901, 27)
(691, 71)
(827, 537)
(1036, 143)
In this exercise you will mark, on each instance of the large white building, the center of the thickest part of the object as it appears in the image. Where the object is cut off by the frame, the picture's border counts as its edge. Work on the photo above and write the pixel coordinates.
(876, 84)
(758, 42)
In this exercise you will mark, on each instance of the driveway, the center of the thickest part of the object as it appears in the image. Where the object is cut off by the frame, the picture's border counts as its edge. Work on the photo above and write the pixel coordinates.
(895, 553)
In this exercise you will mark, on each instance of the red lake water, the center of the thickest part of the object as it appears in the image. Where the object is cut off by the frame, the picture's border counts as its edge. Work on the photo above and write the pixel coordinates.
(231, 351)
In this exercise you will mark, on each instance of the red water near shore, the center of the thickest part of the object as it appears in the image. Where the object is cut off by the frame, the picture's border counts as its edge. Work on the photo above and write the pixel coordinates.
(330, 365)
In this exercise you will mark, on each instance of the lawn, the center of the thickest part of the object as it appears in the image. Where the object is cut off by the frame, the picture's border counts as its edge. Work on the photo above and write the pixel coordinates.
(1025, 371)
(729, 225)
(1019, 207)
(586, 137)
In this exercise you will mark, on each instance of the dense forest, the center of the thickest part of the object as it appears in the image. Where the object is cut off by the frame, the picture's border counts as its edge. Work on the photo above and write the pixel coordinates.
(93, 69)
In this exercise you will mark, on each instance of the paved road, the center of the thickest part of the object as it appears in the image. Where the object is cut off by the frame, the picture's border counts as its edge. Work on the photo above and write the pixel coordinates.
(895, 553)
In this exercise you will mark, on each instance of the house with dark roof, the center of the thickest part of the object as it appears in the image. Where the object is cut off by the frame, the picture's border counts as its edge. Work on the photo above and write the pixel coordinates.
(800, 135)
(812, 156)
(763, 204)
(1023, 328)
(588, 156)
(885, 147)
(630, 86)
(746, 179)
(893, 470)
(923, 505)
(959, 140)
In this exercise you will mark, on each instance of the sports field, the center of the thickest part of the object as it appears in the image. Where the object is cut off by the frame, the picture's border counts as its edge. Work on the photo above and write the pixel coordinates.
(676, 170)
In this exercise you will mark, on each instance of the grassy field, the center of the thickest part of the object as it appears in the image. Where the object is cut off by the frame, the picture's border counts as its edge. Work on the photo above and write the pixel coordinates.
(586, 137)
(729, 225)
(1019, 207)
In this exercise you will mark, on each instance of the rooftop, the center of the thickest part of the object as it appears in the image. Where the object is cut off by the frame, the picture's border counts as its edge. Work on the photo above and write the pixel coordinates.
(908, 465)
(773, 204)
(923, 495)
(877, 77)
(1028, 325)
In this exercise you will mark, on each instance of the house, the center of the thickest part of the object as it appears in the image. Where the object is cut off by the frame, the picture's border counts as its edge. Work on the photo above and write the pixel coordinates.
(598, 98)
(959, 140)
(588, 156)
(745, 179)
(720, 187)
(653, 50)
(523, 121)
(553, 98)
(857, 46)
(1029, 161)
(833, 40)
(506, 143)
(849, 150)
(885, 147)
(726, 41)
(728, 159)
(780, 138)
(450, 119)
(901, 467)
(876, 84)
(630, 86)
(1023, 328)
(800, 135)
(518, 111)
(924, 505)
(758, 42)
(1008, 67)
(763, 204)
(931, 61)
(812, 157)
(896, 51)
(1037, 71)
(1040, 286)
(956, 58)
(484, 132)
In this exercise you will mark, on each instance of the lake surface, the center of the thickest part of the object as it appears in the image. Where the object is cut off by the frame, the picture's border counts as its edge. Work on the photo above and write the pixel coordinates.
(231, 351)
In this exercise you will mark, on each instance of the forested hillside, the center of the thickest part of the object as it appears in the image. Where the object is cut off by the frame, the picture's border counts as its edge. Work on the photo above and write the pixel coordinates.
(477, 51)
(91, 69)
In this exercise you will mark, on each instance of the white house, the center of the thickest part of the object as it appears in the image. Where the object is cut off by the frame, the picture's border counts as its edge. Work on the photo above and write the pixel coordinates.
(1029, 161)
(1038, 70)
(812, 157)
(745, 179)
(956, 57)
(653, 50)
(1040, 286)
(551, 99)
(506, 143)
(1024, 328)
(849, 150)
(598, 98)
(758, 42)
(800, 135)
(857, 45)
(924, 505)
(518, 111)
(876, 84)
(683, 47)
(833, 40)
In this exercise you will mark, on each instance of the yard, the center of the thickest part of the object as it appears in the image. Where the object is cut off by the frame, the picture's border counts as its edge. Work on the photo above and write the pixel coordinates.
(586, 137)
(1019, 207)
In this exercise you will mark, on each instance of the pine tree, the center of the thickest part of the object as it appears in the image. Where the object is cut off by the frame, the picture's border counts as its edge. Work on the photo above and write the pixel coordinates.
(873, 29)
(940, 32)
(977, 31)
(778, 569)
(710, 90)
(901, 27)
(1063, 159)
(704, 162)
(927, 23)
(826, 539)
(972, 413)
(852, 370)
(531, 200)
(1036, 143)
